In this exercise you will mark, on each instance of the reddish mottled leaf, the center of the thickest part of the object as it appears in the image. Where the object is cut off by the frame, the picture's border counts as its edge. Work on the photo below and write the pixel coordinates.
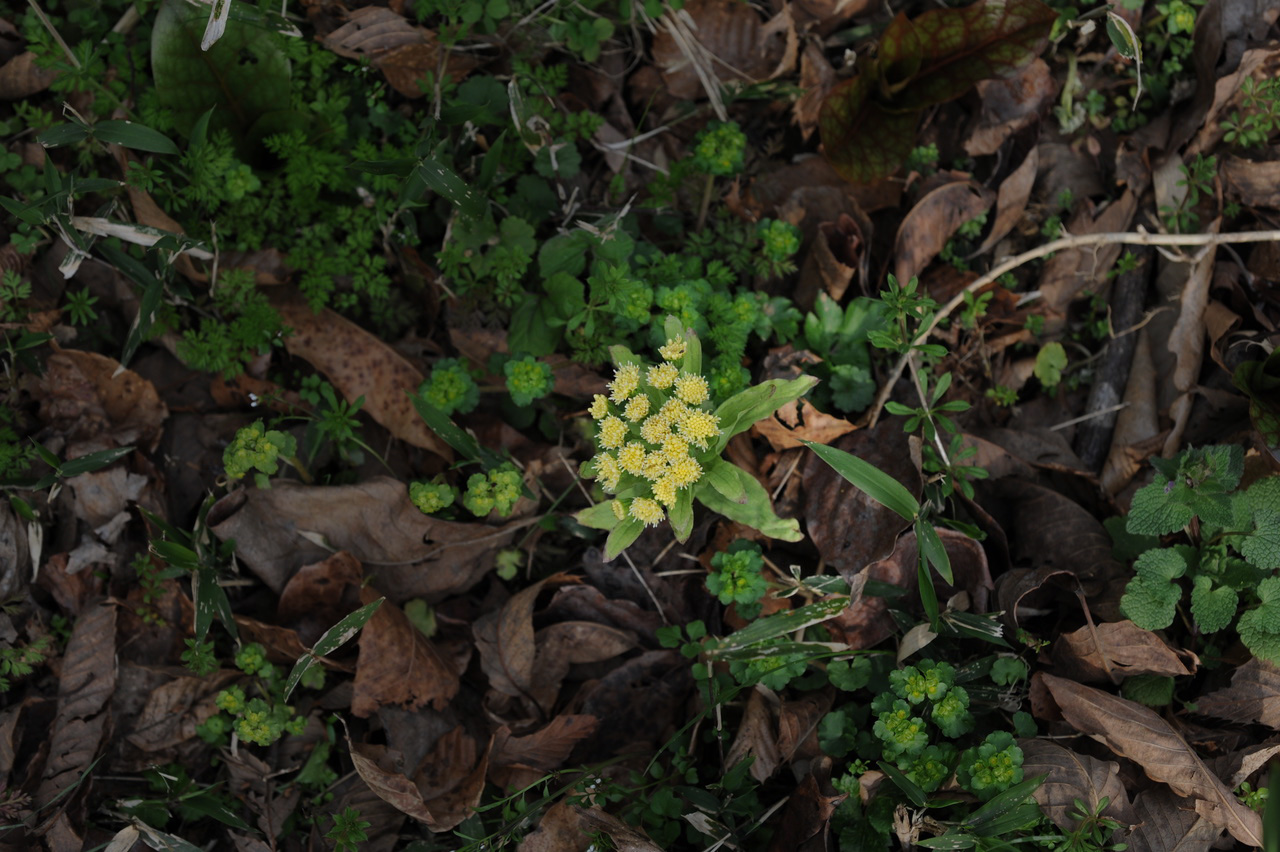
(868, 123)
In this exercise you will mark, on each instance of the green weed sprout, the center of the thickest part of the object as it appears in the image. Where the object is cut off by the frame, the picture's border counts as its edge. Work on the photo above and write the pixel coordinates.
(778, 240)
(259, 449)
(431, 497)
(254, 720)
(737, 577)
(992, 767)
(498, 489)
(720, 149)
(527, 379)
(451, 387)
(660, 444)
(902, 733)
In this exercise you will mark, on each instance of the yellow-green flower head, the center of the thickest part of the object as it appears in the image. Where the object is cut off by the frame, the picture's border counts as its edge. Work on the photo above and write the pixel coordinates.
(656, 429)
(619, 509)
(684, 472)
(631, 458)
(646, 511)
(625, 381)
(655, 465)
(674, 448)
(612, 432)
(697, 427)
(674, 349)
(609, 471)
(637, 408)
(664, 490)
(662, 376)
(673, 411)
(599, 406)
(692, 389)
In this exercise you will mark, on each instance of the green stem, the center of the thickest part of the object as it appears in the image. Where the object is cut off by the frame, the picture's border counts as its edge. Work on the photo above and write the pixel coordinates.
(706, 202)
(296, 464)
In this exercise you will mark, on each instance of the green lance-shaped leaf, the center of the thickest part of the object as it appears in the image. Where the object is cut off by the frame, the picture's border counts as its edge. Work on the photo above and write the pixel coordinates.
(877, 484)
(333, 639)
(780, 624)
(137, 137)
(740, 411)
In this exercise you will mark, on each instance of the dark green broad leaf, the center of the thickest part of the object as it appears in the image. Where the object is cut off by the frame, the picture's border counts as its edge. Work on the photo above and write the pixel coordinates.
(137, 137)
(244, 77)
(756, 511)
(868, 123)
(1260, 382)
(441, 179)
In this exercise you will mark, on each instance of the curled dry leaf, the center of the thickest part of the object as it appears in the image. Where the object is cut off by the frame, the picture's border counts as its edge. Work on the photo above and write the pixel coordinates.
(1072, 776)
(319, 595)
(507, 644)
(1138, 733)
(401, 51)
(521, 761)
(451, 777)
(1115, 650)
(569, 643)
(1137, 424)
(398, 664)
(86, 395)
(624, 837)
(1012, 197)
(85, 688)
(359, 364)
(1253, 696)
(414, 555)
(1186, 343)
(933, 221)
(21, 77)
(1252, 183)
(799, 421)
(1010, 105)
(804, 818)
(557, 831)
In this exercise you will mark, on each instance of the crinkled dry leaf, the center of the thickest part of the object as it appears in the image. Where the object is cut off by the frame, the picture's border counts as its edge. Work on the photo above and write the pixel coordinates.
(1252, 183)
(800, 421)
(84, 394)
(21, 77)
(401, 51)
(1186, 342)
(1168, 823)
(568, 643)
(1114, 650)
(398, 664)
(451, 777)
(935, 218)
(711, 42)
(359, 364)
(1253, 696)
(1068, 272)
(757, 736)
(1072, 776)
(520, 761)
(624, 837)
(414, 555)
(1138, 733)
(1010, 105)
(506, 642)
(85, 686)
(558, 831)
(1012, 198)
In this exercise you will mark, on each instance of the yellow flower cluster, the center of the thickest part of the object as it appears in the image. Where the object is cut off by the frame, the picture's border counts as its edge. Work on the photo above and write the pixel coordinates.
(659, 420)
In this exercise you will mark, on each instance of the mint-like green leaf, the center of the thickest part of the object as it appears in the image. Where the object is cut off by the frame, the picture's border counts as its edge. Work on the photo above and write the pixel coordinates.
(1154, 513)
(1214, 607)
(1152, 597)
(1260, 628)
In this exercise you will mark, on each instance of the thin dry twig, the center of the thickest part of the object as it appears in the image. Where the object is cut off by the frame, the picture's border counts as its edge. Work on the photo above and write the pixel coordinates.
(1138, 238)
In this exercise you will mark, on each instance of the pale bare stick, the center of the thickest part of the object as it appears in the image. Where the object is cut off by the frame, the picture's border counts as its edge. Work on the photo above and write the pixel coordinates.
(1139, 238)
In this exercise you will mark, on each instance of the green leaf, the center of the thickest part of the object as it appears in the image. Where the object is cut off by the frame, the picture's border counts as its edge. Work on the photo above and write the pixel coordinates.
(909, 788)
(148, 303)
(1152, 597)
(1153, 513)
(681, 514)
(723, 477)
(332, 639)
(63, 134)
(93, 461)
(444, 181)
(756, 512)
(437, 421)
(934, 551)
(244, 77)
(621, 537)
(210, 600)
(598, 517)
(740, 411)
(1214, 607)
(779, 624)
(1051, 360)
(1260, 381)
(137, 137)
(869, 479)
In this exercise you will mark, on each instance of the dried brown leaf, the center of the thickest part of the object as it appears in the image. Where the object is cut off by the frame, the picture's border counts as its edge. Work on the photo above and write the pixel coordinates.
(1013, 195)
(415, 555)
(624, 837)
(933, 221)
(1068, 272)
(573, 642)
(21, 77)
(1074, 776)
(729, 46)
(398, 664)
(1010, 105)
(1136, 424)
(559, 830)
(1167, 823)
(1253, 696)
(1253, 183)
(85, 687)
(800, 421)
(451, 777)
(359, 364)
(1186, 342)
(392, 787)
(84, 394)
(1138, 733)
(757, 736)
(173, 710)
(1114, 650)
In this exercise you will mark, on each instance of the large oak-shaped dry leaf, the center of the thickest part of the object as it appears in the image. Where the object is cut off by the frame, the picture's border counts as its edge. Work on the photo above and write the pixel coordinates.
(1133, 731)
(1254, 696)
(1072, 776)
(359, 364)
(85, 394)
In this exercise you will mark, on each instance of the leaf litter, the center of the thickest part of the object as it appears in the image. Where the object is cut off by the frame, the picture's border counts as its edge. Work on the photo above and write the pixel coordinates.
(499, 654)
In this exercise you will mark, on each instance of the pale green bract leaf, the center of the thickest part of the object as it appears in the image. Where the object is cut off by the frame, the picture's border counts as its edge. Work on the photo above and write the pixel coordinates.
(1213, 608)
(720, 475)
(621, 537)
(740, 411)
(680, 514)
(756, 512)
(598, 517)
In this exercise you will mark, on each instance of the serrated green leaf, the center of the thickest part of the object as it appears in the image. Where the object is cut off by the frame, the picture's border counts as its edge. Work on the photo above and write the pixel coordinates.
(1153, 513)
(1151, 598)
